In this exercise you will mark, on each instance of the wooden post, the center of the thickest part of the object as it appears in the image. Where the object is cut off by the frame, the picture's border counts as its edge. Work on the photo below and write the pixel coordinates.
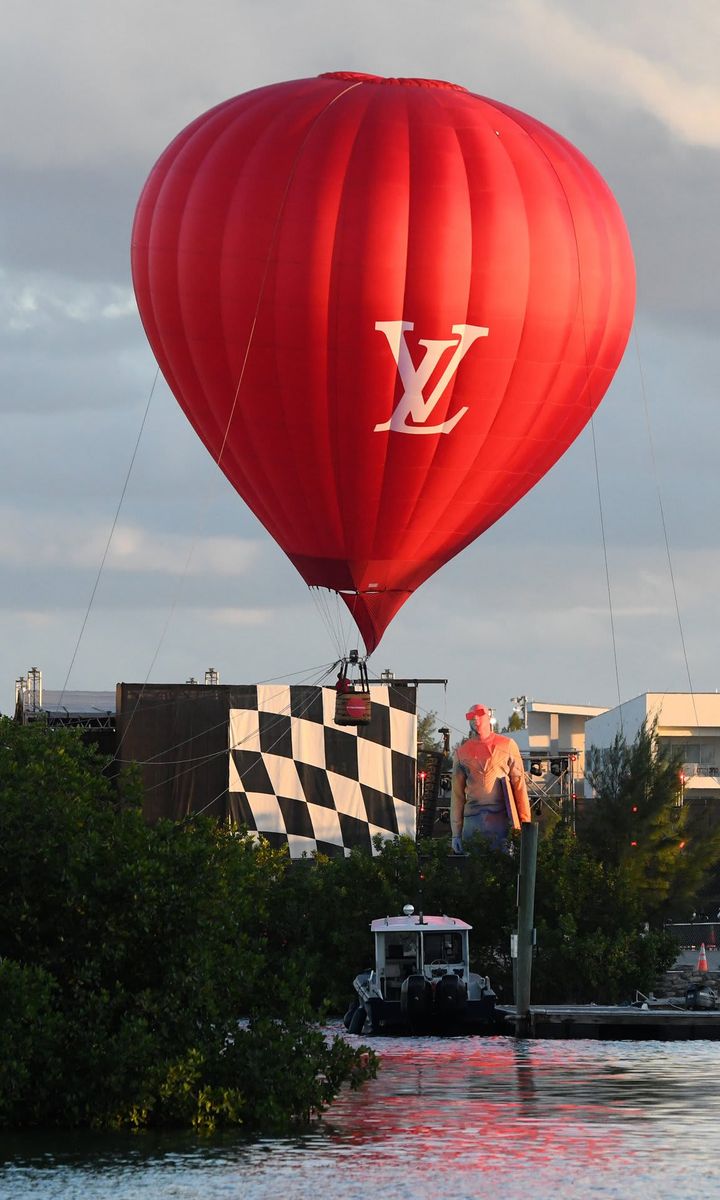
(526, 914)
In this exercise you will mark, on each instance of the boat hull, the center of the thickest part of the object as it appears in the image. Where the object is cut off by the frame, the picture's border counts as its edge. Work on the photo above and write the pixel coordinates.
(376, 1017)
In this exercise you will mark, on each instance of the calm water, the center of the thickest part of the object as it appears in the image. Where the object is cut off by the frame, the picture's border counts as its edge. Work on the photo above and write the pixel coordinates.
(455, 1118)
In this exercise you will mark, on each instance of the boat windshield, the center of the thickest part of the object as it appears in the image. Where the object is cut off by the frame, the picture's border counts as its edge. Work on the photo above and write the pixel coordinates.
(443, 947)
(402, 948)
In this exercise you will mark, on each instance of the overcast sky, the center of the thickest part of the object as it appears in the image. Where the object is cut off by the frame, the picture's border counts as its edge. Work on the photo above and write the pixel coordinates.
(92, 91)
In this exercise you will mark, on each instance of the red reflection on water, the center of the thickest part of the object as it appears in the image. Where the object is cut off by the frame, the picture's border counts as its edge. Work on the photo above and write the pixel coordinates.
(485, 1103)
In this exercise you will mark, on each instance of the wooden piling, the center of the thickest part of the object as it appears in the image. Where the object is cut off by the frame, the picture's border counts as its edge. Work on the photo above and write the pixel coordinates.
(526, 916)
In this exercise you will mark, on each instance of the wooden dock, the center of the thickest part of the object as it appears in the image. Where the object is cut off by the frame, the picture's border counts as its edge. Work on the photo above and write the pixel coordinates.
(599, 1022)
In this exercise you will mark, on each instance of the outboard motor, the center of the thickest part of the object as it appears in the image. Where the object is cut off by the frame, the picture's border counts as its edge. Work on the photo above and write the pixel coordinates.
(450, 995)
(700, 996)
(416, 998)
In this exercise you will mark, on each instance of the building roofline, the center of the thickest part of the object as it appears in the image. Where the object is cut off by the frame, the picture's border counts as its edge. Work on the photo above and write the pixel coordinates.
(578, 710)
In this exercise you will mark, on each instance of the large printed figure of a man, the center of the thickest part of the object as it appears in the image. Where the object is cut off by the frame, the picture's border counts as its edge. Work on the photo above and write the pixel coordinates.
(489, 794)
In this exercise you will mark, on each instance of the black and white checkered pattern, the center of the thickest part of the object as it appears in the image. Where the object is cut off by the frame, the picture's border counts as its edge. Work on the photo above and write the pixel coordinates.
(298, 778)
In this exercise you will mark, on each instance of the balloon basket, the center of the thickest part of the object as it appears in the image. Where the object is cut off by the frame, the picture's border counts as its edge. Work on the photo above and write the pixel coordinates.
(352, 702)
(353, 708)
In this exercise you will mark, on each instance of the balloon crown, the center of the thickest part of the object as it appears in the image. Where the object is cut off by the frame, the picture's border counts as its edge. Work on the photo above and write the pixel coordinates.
(361, 77)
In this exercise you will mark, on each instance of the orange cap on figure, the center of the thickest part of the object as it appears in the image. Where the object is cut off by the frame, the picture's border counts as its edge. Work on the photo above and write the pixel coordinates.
(477, 710)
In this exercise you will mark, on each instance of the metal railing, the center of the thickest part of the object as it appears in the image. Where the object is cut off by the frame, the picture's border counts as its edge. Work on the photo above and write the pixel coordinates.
(691, 934)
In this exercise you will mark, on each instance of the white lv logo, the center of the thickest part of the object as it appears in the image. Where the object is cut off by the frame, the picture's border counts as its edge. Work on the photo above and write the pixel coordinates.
(412, 405)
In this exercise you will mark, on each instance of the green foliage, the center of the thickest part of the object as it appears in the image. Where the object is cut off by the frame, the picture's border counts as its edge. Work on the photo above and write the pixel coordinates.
(427, 733)
(590, 919)
(590, 922)
(257, 1077)
(31, 1030)
(482, 890)
(514, 722)
(637, 823)
(128, 953)
(593, 945)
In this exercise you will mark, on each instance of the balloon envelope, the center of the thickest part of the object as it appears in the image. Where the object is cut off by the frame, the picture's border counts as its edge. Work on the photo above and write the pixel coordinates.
(387, 306)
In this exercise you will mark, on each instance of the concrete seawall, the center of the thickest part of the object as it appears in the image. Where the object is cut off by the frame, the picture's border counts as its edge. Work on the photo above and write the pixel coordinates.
(674, 983)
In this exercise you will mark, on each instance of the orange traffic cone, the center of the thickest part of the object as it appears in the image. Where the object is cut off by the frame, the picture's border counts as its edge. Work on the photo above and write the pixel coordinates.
(702, 959)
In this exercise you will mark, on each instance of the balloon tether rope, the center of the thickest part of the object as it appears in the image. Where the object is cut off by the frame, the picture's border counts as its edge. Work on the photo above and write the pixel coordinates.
(109, 538)
(656, 475)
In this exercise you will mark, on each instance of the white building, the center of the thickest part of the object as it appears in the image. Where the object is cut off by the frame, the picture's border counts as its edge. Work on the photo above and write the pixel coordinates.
(687, 721)
(552, 744)
(554, 730)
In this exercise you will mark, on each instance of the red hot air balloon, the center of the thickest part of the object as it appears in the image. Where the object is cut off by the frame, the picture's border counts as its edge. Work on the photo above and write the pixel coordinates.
(387, 306)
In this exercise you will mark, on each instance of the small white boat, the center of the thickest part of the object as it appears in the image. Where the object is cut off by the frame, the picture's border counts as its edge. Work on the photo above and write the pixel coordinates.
(421, 981)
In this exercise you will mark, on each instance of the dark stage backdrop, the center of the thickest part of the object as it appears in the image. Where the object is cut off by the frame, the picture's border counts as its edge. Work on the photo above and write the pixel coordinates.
(270, 757)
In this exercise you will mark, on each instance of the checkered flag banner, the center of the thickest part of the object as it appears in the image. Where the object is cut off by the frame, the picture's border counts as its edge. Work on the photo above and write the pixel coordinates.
(298, 779)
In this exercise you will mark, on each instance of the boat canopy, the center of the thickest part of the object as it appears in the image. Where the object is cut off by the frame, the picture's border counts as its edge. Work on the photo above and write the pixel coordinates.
(417, 923)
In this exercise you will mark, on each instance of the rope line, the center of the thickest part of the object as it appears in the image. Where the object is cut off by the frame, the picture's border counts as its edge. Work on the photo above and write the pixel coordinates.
(581, 302)
(110, 537)
(311, 674)
(663, 522)
(607, 568)
(203, 511)
(235, 746)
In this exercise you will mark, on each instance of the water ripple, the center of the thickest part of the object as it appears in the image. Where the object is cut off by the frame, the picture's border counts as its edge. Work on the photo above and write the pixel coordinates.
(469, 1117)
